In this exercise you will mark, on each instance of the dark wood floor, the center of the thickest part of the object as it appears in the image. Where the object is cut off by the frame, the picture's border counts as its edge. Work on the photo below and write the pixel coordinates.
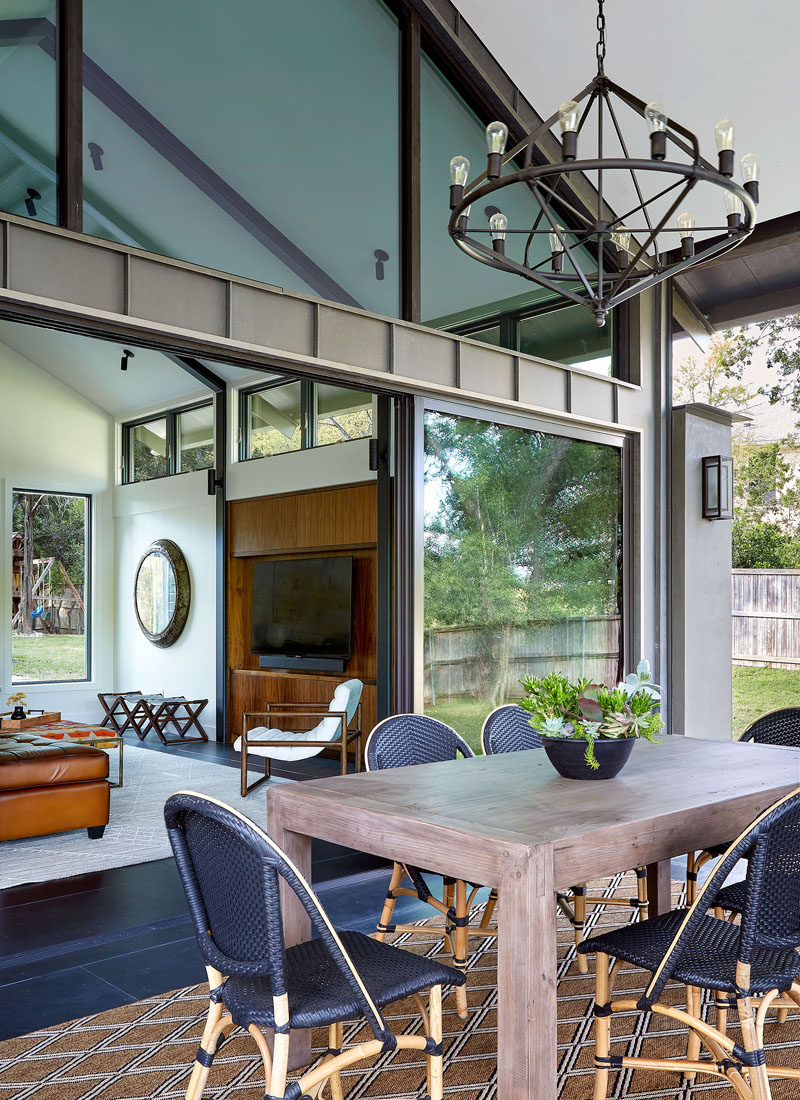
(74, 946)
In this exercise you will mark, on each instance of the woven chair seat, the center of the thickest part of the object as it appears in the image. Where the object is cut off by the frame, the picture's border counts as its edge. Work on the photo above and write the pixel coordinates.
(709, 960)
(732, 897)
(318, 992)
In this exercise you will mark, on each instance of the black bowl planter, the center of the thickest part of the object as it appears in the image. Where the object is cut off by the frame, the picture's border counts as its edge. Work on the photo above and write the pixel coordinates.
(568, 756)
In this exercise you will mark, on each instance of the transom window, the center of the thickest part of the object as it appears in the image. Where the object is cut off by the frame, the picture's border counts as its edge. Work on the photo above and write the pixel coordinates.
(174, 442)
(285, 415)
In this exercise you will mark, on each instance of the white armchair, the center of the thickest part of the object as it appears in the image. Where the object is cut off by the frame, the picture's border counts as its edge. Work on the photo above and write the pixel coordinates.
(277, 744)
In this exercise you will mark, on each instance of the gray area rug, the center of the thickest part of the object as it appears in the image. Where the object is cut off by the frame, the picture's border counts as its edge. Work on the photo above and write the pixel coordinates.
(135, 832)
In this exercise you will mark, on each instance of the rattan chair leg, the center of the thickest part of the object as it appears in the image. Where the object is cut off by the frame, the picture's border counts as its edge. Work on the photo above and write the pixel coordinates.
(199, 1075)
(488, 912)
(641, 892)
(461, 939)
(385, 923)
(579, 924)
(602, 1027)
(434, 1064)
(264, 1051)
(753, 1041)
(280, 1047)
(691, 878)
(335, 1032)
(693, 1007)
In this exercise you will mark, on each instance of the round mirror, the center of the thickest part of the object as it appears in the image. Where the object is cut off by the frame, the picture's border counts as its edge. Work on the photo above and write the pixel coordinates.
(161, 592)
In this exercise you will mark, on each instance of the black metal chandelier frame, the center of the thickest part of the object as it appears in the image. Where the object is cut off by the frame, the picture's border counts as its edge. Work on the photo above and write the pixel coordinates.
(615, 278)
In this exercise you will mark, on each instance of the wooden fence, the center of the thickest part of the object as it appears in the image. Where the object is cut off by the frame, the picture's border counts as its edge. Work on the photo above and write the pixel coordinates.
(766, 617)
(488, 662)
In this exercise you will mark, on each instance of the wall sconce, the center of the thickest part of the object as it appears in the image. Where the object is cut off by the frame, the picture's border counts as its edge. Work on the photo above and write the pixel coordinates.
(717, 487)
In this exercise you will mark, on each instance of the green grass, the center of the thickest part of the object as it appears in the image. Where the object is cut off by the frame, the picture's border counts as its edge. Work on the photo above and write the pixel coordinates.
(755, 691)
(48, 657)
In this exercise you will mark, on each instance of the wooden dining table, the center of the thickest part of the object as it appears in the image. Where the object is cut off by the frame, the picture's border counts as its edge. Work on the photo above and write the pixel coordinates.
(511, 822)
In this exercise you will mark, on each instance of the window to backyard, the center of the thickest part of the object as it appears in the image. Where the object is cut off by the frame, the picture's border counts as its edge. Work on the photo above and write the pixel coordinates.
(285, 415)
(49, 587)
(175, 442)
(523, 563)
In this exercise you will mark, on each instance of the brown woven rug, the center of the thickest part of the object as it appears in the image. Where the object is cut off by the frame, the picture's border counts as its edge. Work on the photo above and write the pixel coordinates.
(146, 1049)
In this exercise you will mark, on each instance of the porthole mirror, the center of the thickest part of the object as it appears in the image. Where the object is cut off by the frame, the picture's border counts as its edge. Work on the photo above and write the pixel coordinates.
(162, 592)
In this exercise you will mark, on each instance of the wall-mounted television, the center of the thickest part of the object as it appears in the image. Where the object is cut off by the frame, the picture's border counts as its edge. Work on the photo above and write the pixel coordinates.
(302, 613)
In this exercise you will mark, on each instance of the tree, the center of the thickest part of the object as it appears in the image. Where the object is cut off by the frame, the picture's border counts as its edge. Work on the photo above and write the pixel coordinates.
(766, 488)
(715, 380)
(520, 526)
(780, 338)
(758, 544)
(52, 526)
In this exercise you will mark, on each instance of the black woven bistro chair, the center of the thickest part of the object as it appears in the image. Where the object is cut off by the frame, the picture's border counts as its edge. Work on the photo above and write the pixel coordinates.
(754, 963)
(401, 741)
(776, 727)
(509, 729)
(231, 872)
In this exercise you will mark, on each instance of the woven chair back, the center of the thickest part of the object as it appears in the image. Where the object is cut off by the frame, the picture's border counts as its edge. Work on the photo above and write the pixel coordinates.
(231, 873)
(771, 845)
(407, 739)
(777, 727)
(509, 729)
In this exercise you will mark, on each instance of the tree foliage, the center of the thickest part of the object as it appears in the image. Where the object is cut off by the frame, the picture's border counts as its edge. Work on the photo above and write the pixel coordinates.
(717, 379)
(520, 525)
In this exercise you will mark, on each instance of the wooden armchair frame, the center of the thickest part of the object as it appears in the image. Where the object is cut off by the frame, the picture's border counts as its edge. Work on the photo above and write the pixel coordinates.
(299, 710)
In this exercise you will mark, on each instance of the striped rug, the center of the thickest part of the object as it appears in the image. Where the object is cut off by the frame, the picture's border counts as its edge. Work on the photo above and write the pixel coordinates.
(145, 1050)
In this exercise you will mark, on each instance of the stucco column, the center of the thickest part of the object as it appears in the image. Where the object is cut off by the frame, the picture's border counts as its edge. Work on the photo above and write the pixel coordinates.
(700, 588)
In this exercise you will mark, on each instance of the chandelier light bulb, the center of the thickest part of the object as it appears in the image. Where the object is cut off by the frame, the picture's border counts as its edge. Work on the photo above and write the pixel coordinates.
(656, 118)
(750, 173)
(621, 239)
(496, 138)
(498, 224)
(725, 137)
(568, 122)
(556, 249)
(459, 174)
(463, 220)
(686, 224)
(734, 208)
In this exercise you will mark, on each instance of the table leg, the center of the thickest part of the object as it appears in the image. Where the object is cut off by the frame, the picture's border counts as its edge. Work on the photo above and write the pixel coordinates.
(526, 979)
(296, 924)
(659, 888)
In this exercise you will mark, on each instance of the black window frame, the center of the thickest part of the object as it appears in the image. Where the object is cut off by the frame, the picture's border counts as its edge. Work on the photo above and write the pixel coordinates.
(173, 449)
(88, 586)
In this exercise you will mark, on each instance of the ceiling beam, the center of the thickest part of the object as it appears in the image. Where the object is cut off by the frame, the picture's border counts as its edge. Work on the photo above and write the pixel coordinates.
(762, 307)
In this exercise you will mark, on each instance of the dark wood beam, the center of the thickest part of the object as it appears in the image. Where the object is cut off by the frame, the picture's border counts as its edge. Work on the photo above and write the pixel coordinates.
(411, 205)
(70, 113)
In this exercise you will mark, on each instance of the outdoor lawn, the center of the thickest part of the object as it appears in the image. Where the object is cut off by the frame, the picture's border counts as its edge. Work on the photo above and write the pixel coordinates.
(755, 691)
(48, 657)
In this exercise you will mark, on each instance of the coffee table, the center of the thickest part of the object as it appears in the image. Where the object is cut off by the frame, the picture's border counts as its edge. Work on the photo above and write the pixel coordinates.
(87, 733)
(509, 821)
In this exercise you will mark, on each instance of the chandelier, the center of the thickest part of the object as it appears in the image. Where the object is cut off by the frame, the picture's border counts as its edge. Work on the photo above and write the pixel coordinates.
(604, 257)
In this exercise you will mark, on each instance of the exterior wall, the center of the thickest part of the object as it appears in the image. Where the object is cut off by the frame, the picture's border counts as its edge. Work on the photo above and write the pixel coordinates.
(177, 508)
(95, 286)
(701, 583)
(52, 439)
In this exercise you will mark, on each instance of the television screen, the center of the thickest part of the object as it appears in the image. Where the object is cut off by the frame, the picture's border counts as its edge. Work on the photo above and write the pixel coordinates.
(302, 608)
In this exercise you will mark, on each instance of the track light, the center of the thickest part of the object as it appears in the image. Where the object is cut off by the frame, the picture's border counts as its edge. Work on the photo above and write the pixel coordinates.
(126, 355)
(32, 199)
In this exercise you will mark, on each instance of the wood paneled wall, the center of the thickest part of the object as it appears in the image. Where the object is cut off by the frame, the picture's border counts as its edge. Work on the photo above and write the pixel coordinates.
(323, 522)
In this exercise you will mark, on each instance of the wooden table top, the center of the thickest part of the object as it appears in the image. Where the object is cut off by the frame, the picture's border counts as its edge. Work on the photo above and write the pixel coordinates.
(684, 792)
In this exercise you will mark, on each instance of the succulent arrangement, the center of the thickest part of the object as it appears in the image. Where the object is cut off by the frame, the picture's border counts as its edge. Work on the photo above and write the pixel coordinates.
(590, 712)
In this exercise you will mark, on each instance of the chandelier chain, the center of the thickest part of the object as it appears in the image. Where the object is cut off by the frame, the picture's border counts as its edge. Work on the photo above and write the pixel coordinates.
(600, 50)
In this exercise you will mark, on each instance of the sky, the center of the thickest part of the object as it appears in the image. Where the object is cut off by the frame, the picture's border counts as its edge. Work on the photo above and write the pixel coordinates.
(770, 422)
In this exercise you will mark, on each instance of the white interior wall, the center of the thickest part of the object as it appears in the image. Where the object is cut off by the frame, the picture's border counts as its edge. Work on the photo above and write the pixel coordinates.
(337, 464)
(53, 439)
(177, 508)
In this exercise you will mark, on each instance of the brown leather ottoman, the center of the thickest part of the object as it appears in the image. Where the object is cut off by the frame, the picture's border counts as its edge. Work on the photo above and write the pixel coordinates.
(50, 787)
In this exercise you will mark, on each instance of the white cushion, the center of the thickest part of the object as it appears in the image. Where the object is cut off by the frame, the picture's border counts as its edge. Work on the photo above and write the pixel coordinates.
(345, 698)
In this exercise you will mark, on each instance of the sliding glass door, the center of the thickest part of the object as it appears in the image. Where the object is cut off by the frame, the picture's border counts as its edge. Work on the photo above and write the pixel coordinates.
(523, 555)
